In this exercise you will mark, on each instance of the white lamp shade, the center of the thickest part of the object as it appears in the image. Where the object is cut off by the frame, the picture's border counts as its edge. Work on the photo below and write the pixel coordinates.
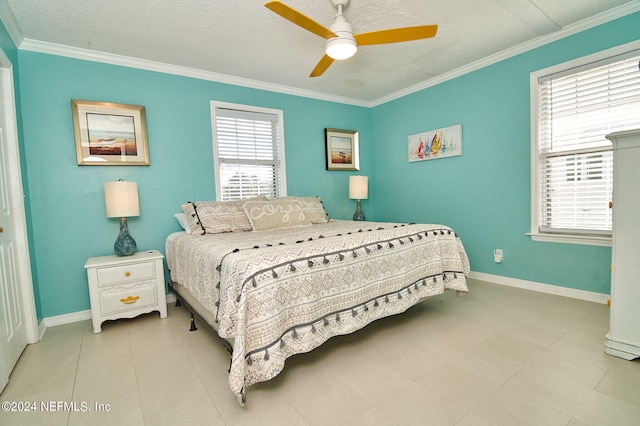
(358, 187)
(121, 199)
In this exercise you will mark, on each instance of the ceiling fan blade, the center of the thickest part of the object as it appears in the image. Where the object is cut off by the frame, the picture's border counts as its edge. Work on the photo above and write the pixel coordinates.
(322, 66)
(299, 19)
(396, 35)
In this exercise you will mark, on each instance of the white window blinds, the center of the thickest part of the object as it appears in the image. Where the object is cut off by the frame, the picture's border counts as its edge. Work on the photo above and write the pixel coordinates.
(577, 108)
(248, 153)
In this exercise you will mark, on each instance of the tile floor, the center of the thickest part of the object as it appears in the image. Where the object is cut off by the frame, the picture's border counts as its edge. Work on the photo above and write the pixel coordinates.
(497, 356)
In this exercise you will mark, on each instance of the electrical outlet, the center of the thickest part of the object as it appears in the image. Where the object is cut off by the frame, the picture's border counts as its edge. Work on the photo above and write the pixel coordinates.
(497, 255)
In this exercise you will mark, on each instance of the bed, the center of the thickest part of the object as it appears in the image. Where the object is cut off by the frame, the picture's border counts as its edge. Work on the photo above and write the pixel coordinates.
(273, 288)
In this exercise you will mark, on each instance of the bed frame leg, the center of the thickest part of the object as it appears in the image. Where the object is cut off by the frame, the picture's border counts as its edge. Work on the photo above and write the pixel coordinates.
(230, 350)
(178, 302)
(193, 324)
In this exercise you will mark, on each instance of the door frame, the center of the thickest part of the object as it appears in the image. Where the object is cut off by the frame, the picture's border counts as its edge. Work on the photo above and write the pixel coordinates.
(16, 196)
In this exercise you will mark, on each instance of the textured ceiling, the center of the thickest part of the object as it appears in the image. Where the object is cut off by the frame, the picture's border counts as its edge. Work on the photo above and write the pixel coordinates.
(242, 38)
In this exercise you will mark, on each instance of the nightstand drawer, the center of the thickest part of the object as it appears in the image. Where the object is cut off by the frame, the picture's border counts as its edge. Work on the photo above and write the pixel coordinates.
(127, 299)
(128, 273)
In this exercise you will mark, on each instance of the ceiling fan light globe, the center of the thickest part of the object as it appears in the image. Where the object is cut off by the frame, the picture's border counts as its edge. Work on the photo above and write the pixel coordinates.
(341, 48)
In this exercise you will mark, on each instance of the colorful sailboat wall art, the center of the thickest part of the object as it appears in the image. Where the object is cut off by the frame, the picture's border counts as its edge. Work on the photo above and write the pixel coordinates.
(440, 143)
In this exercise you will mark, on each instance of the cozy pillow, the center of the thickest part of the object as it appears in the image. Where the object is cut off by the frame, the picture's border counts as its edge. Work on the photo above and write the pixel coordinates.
(183, 221)
(214, 217)
(312, 208)
(275, 214)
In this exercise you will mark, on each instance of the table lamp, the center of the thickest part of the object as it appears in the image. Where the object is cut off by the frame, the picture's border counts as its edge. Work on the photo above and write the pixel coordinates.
(121, 200)
(358, 190)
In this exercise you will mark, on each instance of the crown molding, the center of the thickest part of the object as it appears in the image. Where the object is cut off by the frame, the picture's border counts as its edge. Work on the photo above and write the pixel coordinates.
(144, 64)
(113, 59)
(10, 23)
(567, 31)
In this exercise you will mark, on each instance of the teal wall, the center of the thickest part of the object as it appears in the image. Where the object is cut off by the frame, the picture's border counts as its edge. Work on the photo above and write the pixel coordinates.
(485, 194)
(68, 213)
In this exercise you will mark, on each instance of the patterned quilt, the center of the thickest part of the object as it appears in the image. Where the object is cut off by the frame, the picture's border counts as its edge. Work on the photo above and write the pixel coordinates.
(282, 292)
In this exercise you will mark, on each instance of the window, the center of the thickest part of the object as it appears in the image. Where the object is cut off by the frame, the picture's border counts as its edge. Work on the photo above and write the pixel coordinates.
(574, 106)
(248, 151)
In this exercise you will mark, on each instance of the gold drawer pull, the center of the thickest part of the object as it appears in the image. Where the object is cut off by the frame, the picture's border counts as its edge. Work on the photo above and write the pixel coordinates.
(130, 300)
(127, 274)
(610, 204)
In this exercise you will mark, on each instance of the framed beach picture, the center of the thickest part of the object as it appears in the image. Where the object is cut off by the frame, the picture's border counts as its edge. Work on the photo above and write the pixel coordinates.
(110, 134)
(342, 149)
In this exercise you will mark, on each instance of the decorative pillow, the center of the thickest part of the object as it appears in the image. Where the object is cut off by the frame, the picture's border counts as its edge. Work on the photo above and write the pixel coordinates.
(215, 217)
(183, 221)
(312, 208)
(275, 214)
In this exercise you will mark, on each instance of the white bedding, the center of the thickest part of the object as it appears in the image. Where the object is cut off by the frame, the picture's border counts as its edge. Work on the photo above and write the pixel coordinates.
(281, 292)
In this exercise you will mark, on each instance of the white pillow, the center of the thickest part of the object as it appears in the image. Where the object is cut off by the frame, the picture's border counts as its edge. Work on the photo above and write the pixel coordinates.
(182, 220)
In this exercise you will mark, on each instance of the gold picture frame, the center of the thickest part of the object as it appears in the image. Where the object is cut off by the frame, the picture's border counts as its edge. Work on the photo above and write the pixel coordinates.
(342, 149)
(110, 134)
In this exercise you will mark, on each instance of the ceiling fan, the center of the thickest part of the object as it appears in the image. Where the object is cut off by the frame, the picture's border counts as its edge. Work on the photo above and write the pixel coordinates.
(341, 42)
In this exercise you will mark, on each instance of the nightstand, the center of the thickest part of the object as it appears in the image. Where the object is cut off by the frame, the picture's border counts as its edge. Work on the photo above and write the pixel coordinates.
(125, 287)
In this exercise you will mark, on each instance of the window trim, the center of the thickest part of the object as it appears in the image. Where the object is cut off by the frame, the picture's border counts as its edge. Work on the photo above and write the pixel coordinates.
(535, 234)
(248, 108)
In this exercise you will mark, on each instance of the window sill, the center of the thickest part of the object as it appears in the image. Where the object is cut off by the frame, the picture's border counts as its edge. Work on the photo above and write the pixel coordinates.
(589, 240)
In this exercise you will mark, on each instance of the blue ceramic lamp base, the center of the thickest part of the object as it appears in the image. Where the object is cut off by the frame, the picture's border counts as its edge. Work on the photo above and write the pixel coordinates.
(125, 244)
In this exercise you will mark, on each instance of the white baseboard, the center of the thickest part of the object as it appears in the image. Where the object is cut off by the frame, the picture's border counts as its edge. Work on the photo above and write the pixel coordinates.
(41, 329)
(573, 293)
(66, 318)
(75, 317)
(496, 279)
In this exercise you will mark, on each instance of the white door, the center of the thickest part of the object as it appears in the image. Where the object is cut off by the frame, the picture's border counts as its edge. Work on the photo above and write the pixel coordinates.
(17, 313)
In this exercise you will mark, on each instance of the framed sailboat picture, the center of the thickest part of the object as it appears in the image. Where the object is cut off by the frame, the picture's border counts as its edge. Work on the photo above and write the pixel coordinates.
(439, 143)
